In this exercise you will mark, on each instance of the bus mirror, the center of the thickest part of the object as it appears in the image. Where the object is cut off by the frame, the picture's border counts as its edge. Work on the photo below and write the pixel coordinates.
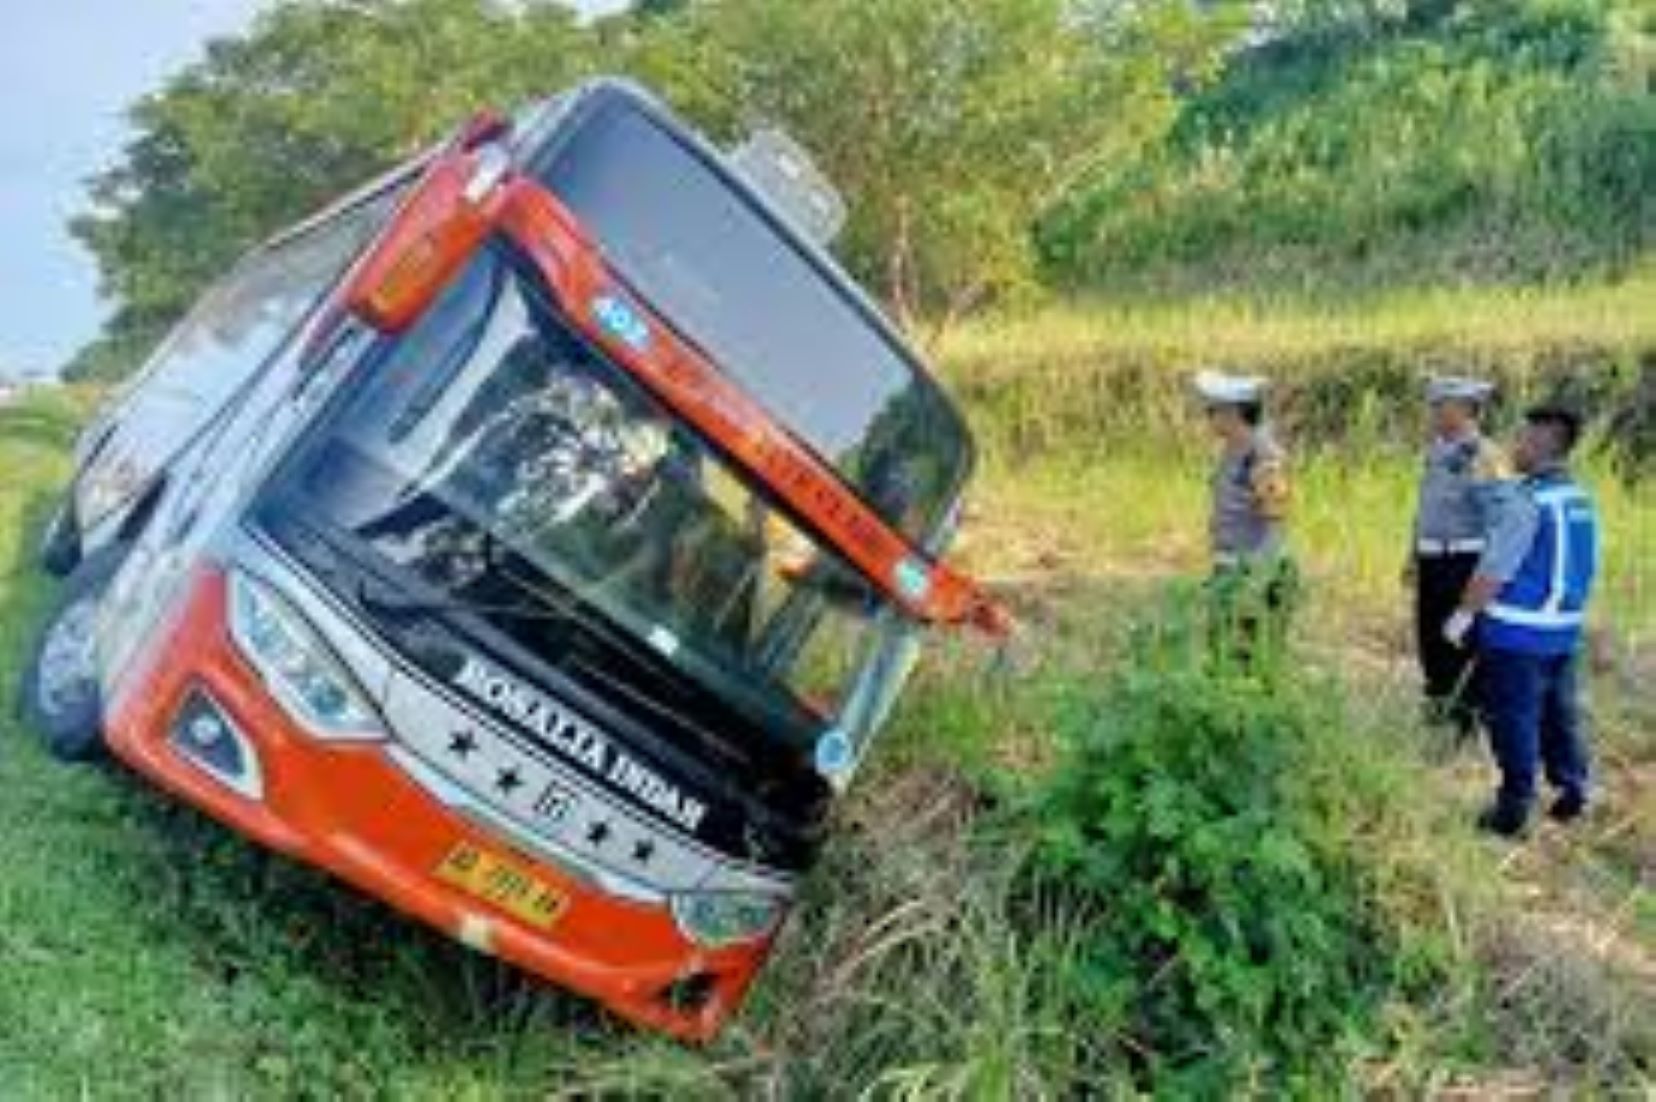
(440, 226)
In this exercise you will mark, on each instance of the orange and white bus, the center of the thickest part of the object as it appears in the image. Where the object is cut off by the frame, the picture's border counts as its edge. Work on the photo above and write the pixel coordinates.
(535, 540)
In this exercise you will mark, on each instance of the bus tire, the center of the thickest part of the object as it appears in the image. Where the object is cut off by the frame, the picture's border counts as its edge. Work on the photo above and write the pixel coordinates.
(60, 696)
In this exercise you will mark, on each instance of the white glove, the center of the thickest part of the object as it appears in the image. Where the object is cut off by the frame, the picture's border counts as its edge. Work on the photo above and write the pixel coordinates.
(1459, 626)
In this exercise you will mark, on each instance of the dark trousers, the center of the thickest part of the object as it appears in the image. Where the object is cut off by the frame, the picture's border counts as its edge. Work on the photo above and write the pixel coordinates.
(1449, 672)
(1533, 709)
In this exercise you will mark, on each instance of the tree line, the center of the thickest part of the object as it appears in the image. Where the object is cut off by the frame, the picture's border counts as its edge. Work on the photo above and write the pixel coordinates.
(988, 148)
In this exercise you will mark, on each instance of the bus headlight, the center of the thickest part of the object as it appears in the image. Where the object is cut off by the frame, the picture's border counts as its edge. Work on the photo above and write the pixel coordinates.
(297, 665)
(714, 920)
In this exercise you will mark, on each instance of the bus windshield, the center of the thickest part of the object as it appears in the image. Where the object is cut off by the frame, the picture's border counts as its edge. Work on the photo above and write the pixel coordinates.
(505, 463)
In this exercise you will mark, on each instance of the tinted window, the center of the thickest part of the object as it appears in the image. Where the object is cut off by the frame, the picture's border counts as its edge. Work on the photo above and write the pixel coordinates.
(230, 334)
(712, 264)
(245, 316)
(497, 458)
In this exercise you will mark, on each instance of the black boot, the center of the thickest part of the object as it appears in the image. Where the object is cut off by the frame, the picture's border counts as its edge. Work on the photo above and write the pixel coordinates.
(1466, 721)
(1570, 806)
(1505, 819)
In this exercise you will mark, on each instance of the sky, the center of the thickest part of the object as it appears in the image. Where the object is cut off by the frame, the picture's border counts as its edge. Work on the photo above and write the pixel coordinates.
(68, 69)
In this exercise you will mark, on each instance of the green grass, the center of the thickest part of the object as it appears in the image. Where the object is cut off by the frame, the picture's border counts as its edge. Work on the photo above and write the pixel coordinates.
(146, 952)
(1137, 508)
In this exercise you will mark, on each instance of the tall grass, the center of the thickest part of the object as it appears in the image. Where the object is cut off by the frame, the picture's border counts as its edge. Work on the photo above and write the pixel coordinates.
(1437, 327)
(148, 952)
(1140, 509)
(1094, 447)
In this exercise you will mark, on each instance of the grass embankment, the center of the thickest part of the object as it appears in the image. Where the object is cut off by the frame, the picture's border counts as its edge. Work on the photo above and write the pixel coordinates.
(144, 951)
(1058, 379)
(1515, 325)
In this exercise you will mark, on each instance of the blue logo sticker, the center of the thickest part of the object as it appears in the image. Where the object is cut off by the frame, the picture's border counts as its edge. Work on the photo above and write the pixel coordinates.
(621, 321)
(913, 580)
(833, 753)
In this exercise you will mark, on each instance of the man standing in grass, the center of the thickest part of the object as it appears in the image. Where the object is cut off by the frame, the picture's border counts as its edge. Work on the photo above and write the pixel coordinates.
(1463, 474)
(1525, 609)
(1253, 579)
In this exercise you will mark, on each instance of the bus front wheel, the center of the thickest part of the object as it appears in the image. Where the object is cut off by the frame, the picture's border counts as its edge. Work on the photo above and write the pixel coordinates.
(60, 695)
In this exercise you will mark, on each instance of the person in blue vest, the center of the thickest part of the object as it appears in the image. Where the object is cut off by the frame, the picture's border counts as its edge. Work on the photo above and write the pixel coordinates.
(1524, 612)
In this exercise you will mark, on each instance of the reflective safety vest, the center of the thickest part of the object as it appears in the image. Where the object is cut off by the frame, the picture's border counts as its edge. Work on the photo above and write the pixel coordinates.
(1543, 609)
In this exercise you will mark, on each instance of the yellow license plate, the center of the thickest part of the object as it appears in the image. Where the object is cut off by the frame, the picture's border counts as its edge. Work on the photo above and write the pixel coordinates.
(502, 882)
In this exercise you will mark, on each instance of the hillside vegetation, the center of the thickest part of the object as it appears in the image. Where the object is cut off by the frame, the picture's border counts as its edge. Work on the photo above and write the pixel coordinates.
(948, 126)
(1411, 144)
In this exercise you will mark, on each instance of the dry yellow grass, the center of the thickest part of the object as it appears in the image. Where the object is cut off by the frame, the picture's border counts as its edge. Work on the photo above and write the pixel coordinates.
(1480, 323)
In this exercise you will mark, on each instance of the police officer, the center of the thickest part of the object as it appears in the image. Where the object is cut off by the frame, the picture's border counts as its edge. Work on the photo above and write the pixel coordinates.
(1524, 612)
(1253, 578)
(1462, 474)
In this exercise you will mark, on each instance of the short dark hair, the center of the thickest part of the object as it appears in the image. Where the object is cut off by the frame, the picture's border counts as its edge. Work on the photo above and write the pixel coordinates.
(1251, 412)
(1565, 420)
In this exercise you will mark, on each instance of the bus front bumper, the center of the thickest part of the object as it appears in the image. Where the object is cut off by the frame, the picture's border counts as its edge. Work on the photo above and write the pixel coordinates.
(348, 809)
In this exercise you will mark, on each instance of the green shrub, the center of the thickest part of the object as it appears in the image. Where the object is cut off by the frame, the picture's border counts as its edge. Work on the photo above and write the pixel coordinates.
(1216, 831)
